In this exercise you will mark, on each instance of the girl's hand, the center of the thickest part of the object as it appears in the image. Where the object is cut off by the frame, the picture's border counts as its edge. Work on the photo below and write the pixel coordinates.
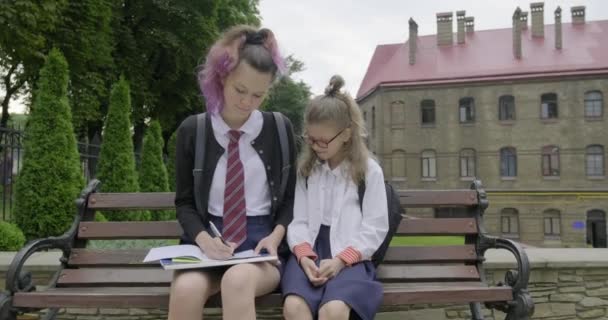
(330, 268)
(312, 272)
(270, 243)
(214, 248)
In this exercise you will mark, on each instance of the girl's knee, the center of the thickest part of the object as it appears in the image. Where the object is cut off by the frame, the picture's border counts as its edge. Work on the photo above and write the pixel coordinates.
(192, 284)
(334, 310)
(236, 279)
(295, 307)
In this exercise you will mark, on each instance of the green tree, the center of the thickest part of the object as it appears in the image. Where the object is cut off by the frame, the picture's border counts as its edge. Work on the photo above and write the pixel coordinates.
(171, 160)
(89, 54)
(24, 45)
(152, 170)
(288, 96)
(116, 166)
(51, 176)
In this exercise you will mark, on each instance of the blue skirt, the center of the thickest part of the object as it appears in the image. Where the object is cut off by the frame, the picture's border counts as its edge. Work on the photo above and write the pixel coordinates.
(356, 285)
(258, 227)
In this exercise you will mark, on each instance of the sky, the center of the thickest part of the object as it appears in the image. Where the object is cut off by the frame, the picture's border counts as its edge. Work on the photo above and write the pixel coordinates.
(340, 36)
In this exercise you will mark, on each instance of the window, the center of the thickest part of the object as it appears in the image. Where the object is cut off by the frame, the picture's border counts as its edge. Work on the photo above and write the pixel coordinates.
(550, 161)
(427, 110)
(467, 163)
(548, 106)
(467, 110)
(508, 162)
(398, 165)
(594, 104)
(552, 223)
(509, 223)
(595, 160)
(429, 169)
(506, 108)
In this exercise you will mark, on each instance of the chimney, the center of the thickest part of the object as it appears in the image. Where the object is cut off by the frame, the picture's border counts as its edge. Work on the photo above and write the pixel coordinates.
(524, 20)
(469, 23)
(444, 29)
(558, 28)
(413, 40)
(517, 33)
(578, 15)
(460, 22)
(538, 19)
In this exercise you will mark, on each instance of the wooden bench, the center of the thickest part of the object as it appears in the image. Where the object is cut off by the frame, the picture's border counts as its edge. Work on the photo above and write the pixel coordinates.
(411, 275)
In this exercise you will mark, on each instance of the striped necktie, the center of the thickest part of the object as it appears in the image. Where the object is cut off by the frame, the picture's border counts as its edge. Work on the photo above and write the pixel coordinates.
(235, 214)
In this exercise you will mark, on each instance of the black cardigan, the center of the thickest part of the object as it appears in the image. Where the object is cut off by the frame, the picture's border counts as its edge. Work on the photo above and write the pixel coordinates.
(267, 147)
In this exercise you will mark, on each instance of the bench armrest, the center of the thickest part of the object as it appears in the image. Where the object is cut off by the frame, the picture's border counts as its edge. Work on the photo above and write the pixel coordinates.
(518, 280)
(522, 306)
(18, 281)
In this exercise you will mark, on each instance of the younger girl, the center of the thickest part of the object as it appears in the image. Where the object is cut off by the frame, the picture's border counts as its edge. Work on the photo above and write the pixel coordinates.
(242, 171)
(332, 237)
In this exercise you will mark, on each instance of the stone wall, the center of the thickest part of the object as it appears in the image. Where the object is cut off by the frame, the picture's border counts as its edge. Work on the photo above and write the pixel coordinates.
(564, 283)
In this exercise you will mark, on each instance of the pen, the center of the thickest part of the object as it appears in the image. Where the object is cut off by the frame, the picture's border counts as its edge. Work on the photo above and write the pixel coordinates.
(217, 233)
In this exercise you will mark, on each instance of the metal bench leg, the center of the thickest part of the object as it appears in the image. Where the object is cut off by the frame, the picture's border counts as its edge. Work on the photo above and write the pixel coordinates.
(50, 314)
(476, 313)
(6, 310)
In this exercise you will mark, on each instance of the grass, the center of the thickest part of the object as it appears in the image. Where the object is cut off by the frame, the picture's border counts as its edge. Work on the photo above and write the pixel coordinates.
(427, 241)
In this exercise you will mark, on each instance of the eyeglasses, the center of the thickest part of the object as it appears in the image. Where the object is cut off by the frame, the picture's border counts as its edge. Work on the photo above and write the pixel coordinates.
(320, 143)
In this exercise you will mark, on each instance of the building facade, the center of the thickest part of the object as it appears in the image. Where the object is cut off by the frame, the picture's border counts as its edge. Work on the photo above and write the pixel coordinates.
(520, 109)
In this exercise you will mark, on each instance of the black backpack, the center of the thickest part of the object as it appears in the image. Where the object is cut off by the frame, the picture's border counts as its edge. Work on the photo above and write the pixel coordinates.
(395, 214)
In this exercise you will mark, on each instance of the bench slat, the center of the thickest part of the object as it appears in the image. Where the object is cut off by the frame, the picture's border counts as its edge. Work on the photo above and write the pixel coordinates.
(165, 200)
(438, 227)
(130, 230)
(172, 229)
(133, 200)
(419, 273)
(153, 297)
(155, 276)
(406, 255)
(437, 198)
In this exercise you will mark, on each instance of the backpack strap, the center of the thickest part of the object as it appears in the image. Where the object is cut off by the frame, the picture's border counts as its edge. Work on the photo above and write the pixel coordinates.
(285, 158)
(199, 156)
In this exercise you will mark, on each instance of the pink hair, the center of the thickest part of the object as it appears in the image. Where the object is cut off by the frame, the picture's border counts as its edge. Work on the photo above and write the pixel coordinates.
(223, 57)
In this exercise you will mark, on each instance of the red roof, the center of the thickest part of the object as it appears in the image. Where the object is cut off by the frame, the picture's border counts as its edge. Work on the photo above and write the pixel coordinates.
(488, 55)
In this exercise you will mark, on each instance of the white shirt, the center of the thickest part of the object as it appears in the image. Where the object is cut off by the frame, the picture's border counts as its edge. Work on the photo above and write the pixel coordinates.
(331, 188)
(257, 193)
(364, 230)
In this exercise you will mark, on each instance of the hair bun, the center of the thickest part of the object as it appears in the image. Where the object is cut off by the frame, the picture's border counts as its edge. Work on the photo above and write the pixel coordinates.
(256, 37)
(335, 84)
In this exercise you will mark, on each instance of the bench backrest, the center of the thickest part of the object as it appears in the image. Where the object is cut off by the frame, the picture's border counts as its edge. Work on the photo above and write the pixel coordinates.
(456, 262)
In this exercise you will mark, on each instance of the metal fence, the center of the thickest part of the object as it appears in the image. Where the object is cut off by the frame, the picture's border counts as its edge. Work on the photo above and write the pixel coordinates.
(11, 161)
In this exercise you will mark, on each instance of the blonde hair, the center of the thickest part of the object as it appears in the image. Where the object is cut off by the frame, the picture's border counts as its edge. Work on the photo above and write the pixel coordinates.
(342, 111)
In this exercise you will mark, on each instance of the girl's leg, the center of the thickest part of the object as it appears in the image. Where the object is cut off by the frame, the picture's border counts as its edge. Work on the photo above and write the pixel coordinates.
(296, 308)
(242, 283)
(334, 310)
(189, 293)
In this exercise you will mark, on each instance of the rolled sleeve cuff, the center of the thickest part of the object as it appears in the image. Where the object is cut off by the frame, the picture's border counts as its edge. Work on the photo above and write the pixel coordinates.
(350, 256)
(304, 249)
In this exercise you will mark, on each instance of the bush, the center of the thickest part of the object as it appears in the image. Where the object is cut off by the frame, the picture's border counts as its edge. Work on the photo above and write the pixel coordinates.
(51, 177)
(116, 166)
(12, 238)
(152, 171)
(171, 160)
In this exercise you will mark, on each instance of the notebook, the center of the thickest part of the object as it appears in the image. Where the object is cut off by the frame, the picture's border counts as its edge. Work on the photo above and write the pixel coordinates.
(187, 256)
